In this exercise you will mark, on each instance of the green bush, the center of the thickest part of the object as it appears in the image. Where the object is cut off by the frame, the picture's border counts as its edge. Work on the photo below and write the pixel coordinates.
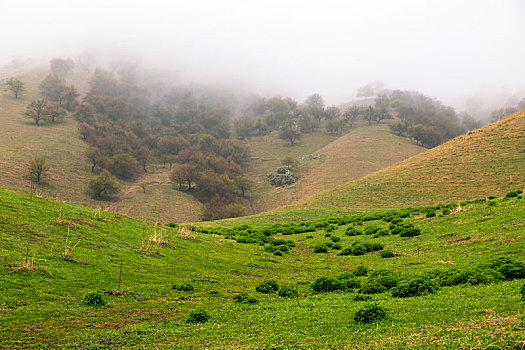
(514, 193)
(348, 281)
(288, 292)
(360, 271)
(370, 313)
(172, 225)
(370, 230)
(377, 246)
(245, 298)
(358, 249)
(382, 232)
(183, 287)
(321, 248)
(198, 316)
(94, 299)
(335, 239)
(352, 231)
(410, 232)
(267, 287)
(387, 253)
(522, 291)
(337, 246)
(508, 267)
(473, 276)
(326, 284)
(379, 281)
(414, 287)
(431, 213)
(446, 211)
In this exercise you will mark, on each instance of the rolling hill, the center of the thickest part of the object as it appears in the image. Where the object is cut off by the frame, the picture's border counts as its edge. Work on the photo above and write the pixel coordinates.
(361, 151)
(152, 277)
(358, 152)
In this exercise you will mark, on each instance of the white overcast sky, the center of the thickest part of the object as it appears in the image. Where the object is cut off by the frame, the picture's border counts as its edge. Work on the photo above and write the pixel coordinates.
(291, 47)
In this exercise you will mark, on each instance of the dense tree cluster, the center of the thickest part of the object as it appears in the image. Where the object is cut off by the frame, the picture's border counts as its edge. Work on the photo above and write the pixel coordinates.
(128, 128)
(291, 119)
(422, 118)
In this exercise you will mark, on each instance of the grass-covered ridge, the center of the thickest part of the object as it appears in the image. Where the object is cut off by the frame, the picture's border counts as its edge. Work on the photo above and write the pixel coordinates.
(173, 279)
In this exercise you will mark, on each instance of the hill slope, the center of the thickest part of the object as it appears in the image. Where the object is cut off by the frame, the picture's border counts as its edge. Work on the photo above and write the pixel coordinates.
(360, 151)
(53, 253)
(487, 161)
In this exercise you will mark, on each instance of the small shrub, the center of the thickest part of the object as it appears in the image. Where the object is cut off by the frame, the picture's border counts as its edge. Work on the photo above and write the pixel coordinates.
(379, 281)
(321, 248)
(288, 292)
(172, 224)
(370, 230)
(337, 246)
(509, 268)
(352, 231)
(360, 271)
(431, 213)
(377, 246)
(330, 228)
(415, 287)
(382, 232)
(348, 281)
(94, 299)
(411, 232)
(358, 249)
(198, 316)
(514, 193)
(492, 204)
(335, 239)
(267, 287)
(522, 291)
(387, 253)
(309, 237)
(245, 298)
(370, 313)
(183, 287)
(326, 284)
(446, 211)
(327, 234)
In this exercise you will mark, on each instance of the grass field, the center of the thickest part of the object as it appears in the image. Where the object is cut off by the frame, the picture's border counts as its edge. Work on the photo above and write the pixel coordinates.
(43, 285)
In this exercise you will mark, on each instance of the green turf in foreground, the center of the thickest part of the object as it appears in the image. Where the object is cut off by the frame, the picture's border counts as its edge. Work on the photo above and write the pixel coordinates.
(42, 303)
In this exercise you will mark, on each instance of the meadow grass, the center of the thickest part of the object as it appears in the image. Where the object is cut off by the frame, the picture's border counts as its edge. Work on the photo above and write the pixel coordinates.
(43, 291)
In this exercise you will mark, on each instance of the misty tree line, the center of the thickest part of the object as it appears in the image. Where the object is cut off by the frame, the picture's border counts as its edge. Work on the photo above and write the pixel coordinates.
(292, 119)
(129, 127)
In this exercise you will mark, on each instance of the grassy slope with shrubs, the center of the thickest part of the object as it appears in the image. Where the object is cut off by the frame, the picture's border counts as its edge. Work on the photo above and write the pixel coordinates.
(178, 287)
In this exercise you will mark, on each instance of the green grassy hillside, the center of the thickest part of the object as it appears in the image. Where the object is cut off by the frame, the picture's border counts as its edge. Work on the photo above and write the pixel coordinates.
(52, 254)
